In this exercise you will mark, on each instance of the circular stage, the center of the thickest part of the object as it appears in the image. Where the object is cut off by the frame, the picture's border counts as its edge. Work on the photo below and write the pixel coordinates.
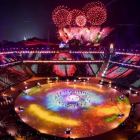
(87, 109)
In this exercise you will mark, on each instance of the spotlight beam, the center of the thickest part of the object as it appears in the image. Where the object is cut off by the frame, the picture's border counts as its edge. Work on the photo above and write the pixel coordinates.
(110, 3)
(128, 25)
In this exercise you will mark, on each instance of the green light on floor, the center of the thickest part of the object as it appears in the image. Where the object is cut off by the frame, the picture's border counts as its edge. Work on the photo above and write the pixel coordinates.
(127, 101)
(111, 118)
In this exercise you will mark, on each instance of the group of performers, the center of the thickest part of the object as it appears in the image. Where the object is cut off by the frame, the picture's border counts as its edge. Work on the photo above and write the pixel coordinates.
(38, 85)
(122, 97)
(24, 92)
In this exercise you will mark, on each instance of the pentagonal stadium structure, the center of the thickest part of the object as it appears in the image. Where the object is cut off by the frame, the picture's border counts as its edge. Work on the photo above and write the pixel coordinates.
(88, 92)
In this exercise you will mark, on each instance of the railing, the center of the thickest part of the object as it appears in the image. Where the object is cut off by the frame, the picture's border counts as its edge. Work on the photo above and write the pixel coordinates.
(62, 61)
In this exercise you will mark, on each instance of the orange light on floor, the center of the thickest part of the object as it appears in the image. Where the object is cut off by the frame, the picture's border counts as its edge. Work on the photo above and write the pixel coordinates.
(49, 116)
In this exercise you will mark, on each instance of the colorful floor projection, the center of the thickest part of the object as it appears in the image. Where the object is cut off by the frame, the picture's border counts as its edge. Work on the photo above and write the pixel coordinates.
(87, 109)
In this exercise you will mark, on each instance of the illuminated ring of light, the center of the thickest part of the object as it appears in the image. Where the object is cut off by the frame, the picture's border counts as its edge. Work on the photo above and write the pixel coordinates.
(81, 20)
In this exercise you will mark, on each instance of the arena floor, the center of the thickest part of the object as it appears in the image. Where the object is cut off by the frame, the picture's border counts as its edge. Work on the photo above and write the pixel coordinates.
(88, 109)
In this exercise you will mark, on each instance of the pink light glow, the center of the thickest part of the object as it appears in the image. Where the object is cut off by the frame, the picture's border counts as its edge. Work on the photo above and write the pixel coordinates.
(61, 16)
(60, 69)
(96, 12)
(75, 13)
(81, 21)
(84, 34)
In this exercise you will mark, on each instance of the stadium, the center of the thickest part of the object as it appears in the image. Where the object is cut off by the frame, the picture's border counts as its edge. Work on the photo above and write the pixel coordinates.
(86, 86)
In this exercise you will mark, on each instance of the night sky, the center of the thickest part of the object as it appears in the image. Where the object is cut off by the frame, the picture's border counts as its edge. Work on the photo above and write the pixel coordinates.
(32, 18)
